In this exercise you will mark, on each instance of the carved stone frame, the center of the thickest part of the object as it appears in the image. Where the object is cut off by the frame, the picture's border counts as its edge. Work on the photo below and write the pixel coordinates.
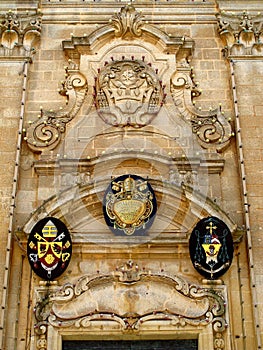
(128, 304)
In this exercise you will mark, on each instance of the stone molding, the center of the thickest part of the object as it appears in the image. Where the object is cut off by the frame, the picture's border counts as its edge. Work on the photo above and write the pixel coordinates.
(130, 297)
(19, 34)
(242, 34)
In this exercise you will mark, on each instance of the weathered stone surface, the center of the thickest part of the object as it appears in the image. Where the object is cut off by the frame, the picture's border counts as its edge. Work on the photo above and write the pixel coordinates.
(192, 180)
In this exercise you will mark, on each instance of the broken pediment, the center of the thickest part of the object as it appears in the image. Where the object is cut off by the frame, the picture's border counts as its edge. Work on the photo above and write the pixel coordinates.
(128, 24)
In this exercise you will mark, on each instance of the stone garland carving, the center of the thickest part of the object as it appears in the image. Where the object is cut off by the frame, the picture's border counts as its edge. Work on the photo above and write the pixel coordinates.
(128, 92)
(211, 127)
(45, 133)
(131, 297)
(242, 33)
(19, 33)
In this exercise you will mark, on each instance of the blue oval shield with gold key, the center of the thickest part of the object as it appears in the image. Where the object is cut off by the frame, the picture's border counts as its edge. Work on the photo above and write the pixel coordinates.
(49, 248)
(129, 205)
(211, 247)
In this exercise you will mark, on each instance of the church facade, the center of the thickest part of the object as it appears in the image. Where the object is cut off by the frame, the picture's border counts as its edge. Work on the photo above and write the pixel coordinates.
(131, 174)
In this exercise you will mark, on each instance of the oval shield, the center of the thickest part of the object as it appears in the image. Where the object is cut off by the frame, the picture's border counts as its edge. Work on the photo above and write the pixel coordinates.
(49, 248)
(129, 205)
(211, 247)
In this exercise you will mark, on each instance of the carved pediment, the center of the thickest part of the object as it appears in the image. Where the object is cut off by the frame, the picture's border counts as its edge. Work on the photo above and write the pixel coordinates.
(128, 24)
(131, 297)
(80, 208)
(45, 133)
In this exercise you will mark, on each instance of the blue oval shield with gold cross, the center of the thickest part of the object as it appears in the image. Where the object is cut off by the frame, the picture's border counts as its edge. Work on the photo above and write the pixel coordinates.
(49, 248)
(211, 247)
(129, 205)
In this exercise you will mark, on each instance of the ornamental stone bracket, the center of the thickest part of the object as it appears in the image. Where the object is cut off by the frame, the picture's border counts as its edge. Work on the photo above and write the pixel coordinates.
(241, 33)
(131, 298)
(46, 132)
(19, 34)
(211, 127)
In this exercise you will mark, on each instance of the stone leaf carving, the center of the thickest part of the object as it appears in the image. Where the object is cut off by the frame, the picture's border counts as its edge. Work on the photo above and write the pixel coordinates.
(45, 133)
(127, 22)
(20, 33)
(242, 33)
(128, 92)
(211, 127)
(131, 297)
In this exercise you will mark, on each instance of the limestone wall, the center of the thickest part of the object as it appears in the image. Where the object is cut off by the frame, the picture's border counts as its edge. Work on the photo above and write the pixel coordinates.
(70, 151)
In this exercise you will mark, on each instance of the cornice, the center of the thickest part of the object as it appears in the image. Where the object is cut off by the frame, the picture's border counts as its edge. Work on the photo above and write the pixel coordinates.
(162, 13)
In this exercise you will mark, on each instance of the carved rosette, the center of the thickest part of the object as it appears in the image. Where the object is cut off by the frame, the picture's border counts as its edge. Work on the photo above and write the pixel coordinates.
(242, 33)
(211, 127)
(46, 132)
(19, 33)
(128, 92)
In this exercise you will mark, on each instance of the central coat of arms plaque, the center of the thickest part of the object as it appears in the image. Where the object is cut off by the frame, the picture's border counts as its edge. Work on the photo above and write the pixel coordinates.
(129, 205)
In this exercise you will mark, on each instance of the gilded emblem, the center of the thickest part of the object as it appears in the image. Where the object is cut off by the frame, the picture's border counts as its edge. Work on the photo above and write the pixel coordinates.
(49, 248)
(129, 205)
(211, 247)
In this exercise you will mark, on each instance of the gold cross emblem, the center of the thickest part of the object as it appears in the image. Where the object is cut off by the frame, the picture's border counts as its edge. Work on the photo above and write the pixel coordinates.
(211, 227)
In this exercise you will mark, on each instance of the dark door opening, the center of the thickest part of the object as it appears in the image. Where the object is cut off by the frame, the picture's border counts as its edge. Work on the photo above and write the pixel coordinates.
(189, 344)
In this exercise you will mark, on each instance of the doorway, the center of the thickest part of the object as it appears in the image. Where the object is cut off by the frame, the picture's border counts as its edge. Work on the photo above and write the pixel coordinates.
(189, 344)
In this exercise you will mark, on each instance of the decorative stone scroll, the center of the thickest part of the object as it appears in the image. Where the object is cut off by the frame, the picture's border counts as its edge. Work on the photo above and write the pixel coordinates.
(211, 127)
(45, 133)
(242, 33)
(19, 34)
(131, 297)
(128, 92)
